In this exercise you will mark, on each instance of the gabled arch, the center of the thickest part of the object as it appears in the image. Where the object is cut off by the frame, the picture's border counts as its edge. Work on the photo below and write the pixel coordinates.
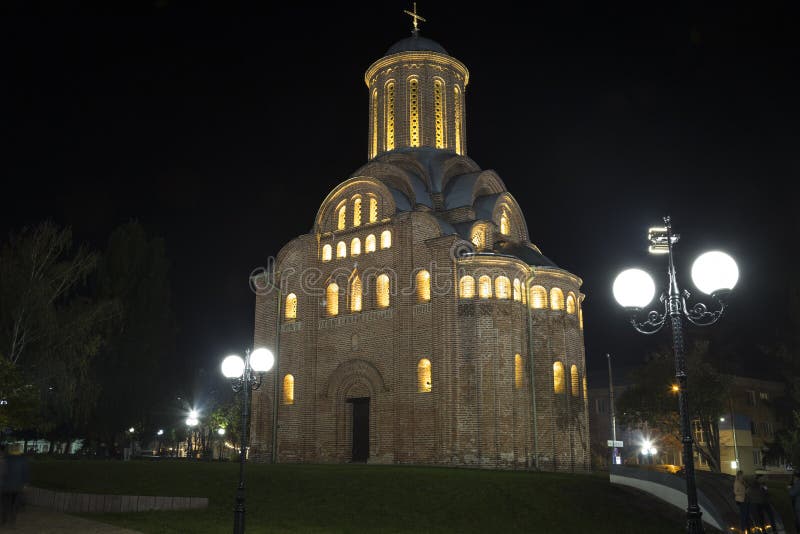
(326, 219)
(506, 206)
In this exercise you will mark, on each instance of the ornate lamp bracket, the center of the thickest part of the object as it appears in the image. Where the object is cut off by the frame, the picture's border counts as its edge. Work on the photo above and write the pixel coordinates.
(654, 323)
(698, 314)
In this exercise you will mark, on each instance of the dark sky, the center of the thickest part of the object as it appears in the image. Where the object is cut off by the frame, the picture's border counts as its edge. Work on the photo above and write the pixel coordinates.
(223, 134)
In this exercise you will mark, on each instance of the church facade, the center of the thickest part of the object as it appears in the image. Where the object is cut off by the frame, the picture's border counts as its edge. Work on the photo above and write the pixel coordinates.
(416, 323)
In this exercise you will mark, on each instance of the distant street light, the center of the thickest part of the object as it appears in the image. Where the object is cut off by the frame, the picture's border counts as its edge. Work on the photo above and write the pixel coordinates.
(245, 375)
(714, 273)
(221, 433)
(191, 422)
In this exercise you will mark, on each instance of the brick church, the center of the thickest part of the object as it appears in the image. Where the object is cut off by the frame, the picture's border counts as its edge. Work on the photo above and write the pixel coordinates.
(416, 323)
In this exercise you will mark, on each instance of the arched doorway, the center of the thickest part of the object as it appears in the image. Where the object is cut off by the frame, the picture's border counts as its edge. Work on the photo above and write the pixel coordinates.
(360, 432)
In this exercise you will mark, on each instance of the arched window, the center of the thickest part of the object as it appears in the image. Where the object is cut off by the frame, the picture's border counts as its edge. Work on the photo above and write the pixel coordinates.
(466, 287)
(291, 306)
(505, 224)
(518, 371)
(355, 247)
(585, 391)
(570, 302)
(288, 389)
(479, 237)
(423, 286)
(342, 217)
(357, 211)
(389, 115)
(369, 243)
(538, 298)
(556, 299)
(485, 287)
(332, 296)
(502, 287)
(413, 111)
(438, 108)
(517, 290)
(382, 291)
(424, 376)
(458, 120)
(558, 378)
(341, 250)
(524, 293)
(386, 239)
(373, 209)
(575, 381)
(374, 151)
(355, 294)
(327, 251)
(580, 317)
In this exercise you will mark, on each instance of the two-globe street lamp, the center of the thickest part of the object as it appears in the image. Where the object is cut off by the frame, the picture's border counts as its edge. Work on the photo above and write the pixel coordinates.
(245, 375)
(714, 273)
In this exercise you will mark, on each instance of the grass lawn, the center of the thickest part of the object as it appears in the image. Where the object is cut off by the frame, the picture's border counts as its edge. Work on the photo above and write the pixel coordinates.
(365, 498)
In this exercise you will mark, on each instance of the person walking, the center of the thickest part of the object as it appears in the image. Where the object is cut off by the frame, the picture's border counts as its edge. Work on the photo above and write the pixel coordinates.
(761, 510)
(794, 494)
(740, 496)
(15, 477)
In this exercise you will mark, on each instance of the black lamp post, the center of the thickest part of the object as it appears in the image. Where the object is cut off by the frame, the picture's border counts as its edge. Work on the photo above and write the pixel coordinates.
(714, 273)
(245, 375)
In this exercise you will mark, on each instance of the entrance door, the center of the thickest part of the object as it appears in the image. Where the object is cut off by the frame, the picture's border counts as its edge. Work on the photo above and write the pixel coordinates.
(360, 429)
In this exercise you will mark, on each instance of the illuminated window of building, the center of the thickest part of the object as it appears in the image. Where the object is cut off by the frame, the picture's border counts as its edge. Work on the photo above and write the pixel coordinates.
(466, 287)
(575, 380)
(374, 123)
(585, 391)
(518, 371)
(524, 293)
(332, 297)
(502, 287)
(355, 294)
(413, 111)
(390, 115)
(369, 243)
(288, 389)
(341, 250)
(342, 218)
(457, 125)
(485, 287)
(386, 239)
(438, 107)
(479, 237)
(580, 317)
(357, 211)
(538, 298)
(517, 290)
(327, 251)
(505, 225)
(423, 286)
(570, 302)
(382, 291)
(556, 299)
(558, 377)
(424, 375)
(291, 306)
(355, 247)
(373, 209)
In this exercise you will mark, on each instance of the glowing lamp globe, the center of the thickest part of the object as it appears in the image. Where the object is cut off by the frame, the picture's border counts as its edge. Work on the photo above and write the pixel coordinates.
(232, 366)
(634, 288)
(261, 360)
(221, 431)
(714, 271)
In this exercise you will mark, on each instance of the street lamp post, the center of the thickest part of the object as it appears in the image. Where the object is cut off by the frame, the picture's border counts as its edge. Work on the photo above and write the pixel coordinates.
(221, 434)
(191, 422)
(714, 273)
(245, 375)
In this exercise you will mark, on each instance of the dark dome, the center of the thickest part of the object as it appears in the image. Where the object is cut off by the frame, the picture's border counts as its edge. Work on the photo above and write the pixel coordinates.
(415, 43)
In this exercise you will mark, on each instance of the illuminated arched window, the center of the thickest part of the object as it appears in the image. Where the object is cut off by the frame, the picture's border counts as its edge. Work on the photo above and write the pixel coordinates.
(485, 287)
(502, 287)
(342, 221)
(369, 243)
(374, 151)
(538, 298)
(505, 224)
(355, 247)
(291, 306)
(556, 299)
(585, 390)
(373, 209)
(288, 389)
(558, 377)
(438, 109)
(570, 302)
(332, 297)
(517, 290)
(386, 239)
(524, 293)
(423, 286)
(357, 211)
(575, 380)
(389, 115)
(458, 119)
(466, 287)
(479, 237)
(518, 371)
(327, 251)
(424, 375)
(413, 111)
(341, 250)
(580, 317)
(382, 291)
(355, 294)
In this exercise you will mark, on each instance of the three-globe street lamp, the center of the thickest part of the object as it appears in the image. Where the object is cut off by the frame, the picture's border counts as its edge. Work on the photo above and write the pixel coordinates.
(245, 375)
(714, 273)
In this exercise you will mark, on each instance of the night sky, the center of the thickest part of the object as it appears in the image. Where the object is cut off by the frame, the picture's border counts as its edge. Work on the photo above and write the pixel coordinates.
(223, 134)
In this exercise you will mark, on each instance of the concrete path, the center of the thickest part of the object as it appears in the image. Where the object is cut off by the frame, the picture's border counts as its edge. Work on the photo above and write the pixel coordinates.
(38, 520)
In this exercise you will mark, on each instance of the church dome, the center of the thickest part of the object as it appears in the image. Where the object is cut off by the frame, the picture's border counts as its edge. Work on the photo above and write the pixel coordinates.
(415, 43)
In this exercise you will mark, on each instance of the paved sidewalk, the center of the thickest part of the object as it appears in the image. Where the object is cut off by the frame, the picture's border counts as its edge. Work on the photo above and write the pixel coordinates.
(38, 520)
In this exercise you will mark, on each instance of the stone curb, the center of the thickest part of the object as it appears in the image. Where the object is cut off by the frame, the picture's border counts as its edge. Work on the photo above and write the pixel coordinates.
(100, 503)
